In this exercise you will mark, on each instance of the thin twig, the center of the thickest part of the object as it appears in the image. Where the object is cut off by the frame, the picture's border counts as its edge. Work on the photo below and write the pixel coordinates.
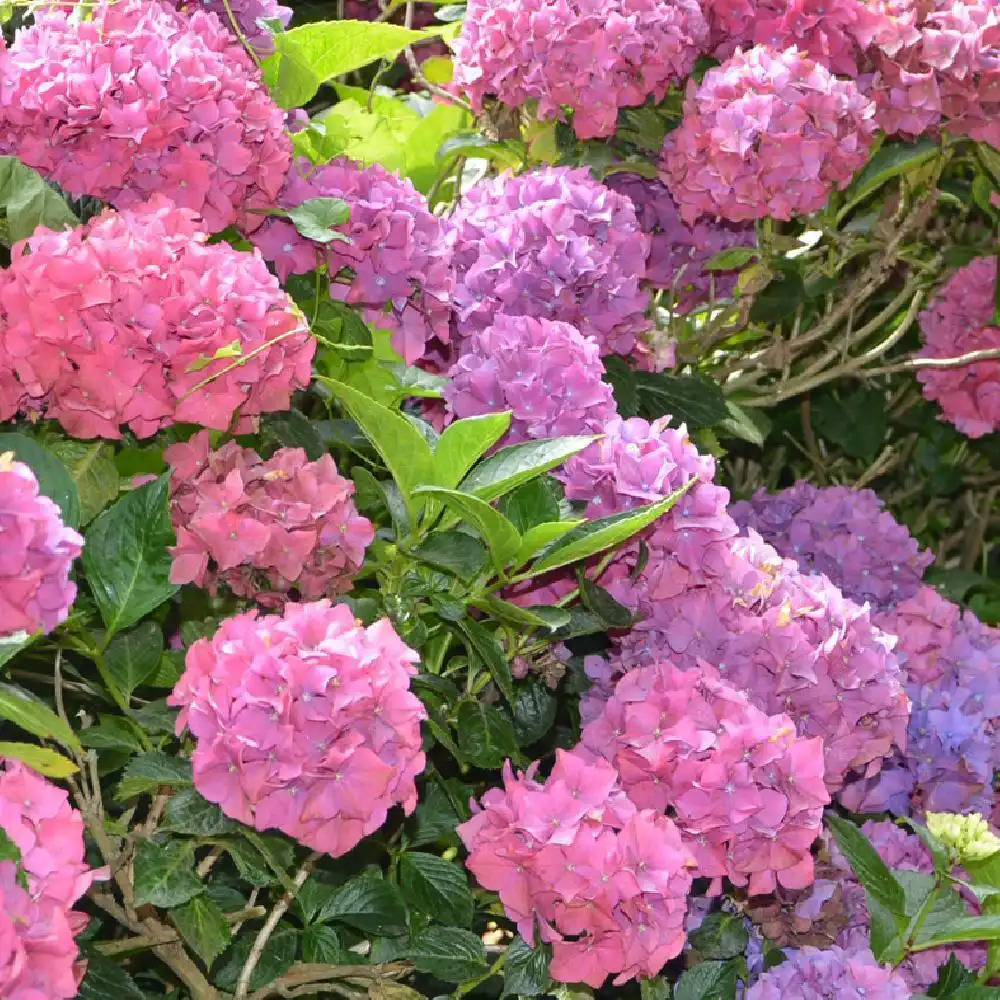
(916, 364)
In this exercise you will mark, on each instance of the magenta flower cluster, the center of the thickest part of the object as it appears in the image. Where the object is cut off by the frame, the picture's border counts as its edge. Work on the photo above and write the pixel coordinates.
(583, 55)
(574, 860)
(545, 372)
(767, 133)
(135, 320)
(244, 18)
(394, 265)
(304, 722)
(678, 252)
(551, 244)
(142, 99)
(832, 973)
(36, 554)
(951, 664)
(959, 319)
(38, 954)
(843, 533)
(264, 529)
(747, 794)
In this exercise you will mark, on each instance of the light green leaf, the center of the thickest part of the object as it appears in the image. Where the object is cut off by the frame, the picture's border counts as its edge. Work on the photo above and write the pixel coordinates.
(54, 480)
(501, 537)
(132, 657)
(34, 716)
(449, 953)
(40, 759)
(510, 467)
(203, 926)
(164, 875)
(729, 260)
(91, 465)
(11, 645)
(979, 928)
(29, 202)
(126, 558)
(436, 887)
(404, 450)
(535, 539)
(316, 219)
(604, 533)
(464, 442)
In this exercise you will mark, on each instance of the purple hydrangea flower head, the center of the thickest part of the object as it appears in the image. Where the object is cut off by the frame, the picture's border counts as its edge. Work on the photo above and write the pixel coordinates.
(395, 265)
(551, 244)
(959, 319)
(36, 554)
(247, 15)
(767, 133)
(545, 372)
(951, 664)
(678, 252)
(843, 533)
(141, 98)
(830, 974)
(588, 56)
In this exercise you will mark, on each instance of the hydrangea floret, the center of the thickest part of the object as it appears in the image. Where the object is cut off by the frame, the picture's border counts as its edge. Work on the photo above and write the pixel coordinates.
(304, 722)
(969, 837)
(263, 528)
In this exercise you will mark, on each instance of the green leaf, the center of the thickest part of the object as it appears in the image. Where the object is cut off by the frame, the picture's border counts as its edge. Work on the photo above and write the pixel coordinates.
(483, 643)
(40, 759)
(708, 981)
(321, 945)
(107, 980)
(293, 429)
(164, 875)
(453, 551)
(54, 480)
(112, 733)
(191, 813)
(368, 903)
(534, 503)
(203, 926)
(126, 558)
(610, 611)
(275, 960)
(979, 928)
(720, 936)
(29, 202)
(91, 464)
(507, 153)
(893, 159)
(132, 657)
(437, 888)
(535, 539)
(308, 56)
(152, 770)
(729, 260)
(871, 871)
(404, 450)
(526, 969)
(449, 953)
(34, 716)
(695, 400)
(603, 533)
(316, 218)
(249, 862)
(485, 736)
(463, 443)
(11, 645)
(500, 535)
(438, 813)
(858, 421)
(510, 467)
(534, 711)
(514, 614)
(781, 297)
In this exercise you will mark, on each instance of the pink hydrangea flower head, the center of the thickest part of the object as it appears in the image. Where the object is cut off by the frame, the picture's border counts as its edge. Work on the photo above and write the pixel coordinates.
(790, 641)
(247, 15)
(395, 265)
(574, 861)
(304, 722)
(583, 55)
(678, 252)
(38, 956)
(833, 973)
(745, 791)
(767, 133)
(36, 554)
(843, 533)
(551, 244)
(951, 665)
(959, 319)
(141, 99)
(545, 372)
(265, 529)
(135, 320)
(906, 852)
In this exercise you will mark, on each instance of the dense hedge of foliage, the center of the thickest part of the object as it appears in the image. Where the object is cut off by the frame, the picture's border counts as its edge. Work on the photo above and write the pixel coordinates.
(499, 501)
